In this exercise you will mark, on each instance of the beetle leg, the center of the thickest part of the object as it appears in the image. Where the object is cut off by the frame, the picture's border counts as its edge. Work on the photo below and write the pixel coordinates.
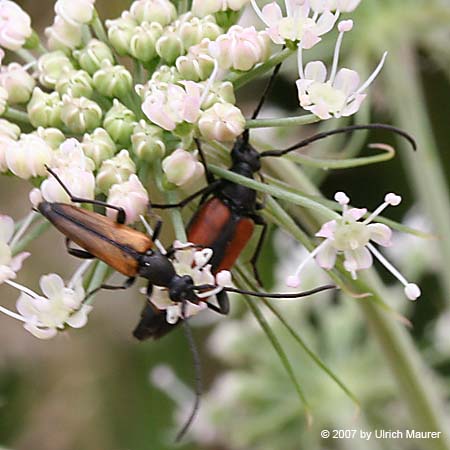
(209, 176)
(128, 283)
(121, 215)
(157, 230)
(259, 221)
(224, 304)
(78, 253)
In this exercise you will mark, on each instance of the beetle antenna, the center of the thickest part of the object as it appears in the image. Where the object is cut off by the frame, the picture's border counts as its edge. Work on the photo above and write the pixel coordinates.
(286, 295)
(198, 376)
(349, 129)
(263, 98)
(151, 233)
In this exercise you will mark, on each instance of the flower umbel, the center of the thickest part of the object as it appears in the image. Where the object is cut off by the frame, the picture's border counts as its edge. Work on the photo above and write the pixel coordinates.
(352, 238)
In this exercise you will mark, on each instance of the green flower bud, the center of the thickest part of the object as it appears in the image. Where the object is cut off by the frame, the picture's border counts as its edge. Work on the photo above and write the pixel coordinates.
(119, 123)
(9, 130)
(44, 110)
(98, 146)
(147, 142)
(120, 32)
(76, 83)
(115, 170)
(51, 66)
(197, 65)
(143, 41)
(80, 114)
(193, 31)
(91, 57)
(219, 92)
(170, 46)
(113, 81)
(3, 100)
(52, 136)
(161, 11)
(18, 82)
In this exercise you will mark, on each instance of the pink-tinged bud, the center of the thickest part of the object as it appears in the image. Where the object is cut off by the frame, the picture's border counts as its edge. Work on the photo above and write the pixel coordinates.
(18, 82)
(76, 83)
(119, 123)
(120, 32)
(27, 157)
(91, 57)
(131, 196)
(147, 140)
(75, 13)
(143, 41)
(223, 122)
(44, 110)
(9, 133)
(3, 100)
(81, 183)
(51, 66)
(80, 114)
(63, 36)
(219, 92)
(181, 167)
(193, 31)
(98, 146)
(70, 155)
(115, 170)
(241, 48)
(113, 81)
(160, 11)
(52, 136)
(197, 65)
(15, 25)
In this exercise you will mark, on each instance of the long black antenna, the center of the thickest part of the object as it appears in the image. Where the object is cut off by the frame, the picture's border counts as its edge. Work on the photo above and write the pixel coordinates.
(349, 129)
(316, 290)
(198, 378)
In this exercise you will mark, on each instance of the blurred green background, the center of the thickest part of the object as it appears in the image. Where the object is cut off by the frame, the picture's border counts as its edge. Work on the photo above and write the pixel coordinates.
(91, 389)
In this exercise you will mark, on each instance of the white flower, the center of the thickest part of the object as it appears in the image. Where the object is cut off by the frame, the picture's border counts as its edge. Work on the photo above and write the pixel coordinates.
(3, 100)
(75, 13)
(15, 25)
(62, 35)
(9, 133)
(181, 167)
(18, 83)
(240, 48)
(44, 315)
(202, 8)
(352, 238)
(339, 95)
(297, 26)
(194, 263)
(28, 156)
(115, 170)
(168, 105)
(332, 5)
(129, 195)
(9, 264)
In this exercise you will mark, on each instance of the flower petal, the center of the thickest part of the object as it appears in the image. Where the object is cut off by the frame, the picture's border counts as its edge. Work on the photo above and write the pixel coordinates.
(272, 14)
(40, 333)
(16, 262)
(326, 257)
(6, 228)
(358, 259)
(52, 285)
(316, 70)
(380, 233)
(347, 81)
(327, 230)
(356, 213)
(79, 319)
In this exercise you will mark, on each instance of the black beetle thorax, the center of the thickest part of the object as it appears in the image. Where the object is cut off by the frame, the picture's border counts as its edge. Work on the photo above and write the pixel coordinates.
(156, 268)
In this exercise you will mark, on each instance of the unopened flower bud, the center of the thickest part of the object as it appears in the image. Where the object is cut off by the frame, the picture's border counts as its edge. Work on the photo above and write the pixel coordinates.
(44, 110)
(119, 123)
(75, 13)
(223, 122)
(70, 155)
(15, 25)
(165, 74)
(3, 100)
(91, 57)
(76, 83)
(161, 11)
(143, 41)
(241, 48)
(9, 132)
(98, 146)
(115, 170)
(202, 8)
(170, 46)
(193, 31)
(28, 156)
(181, 167)
(63, 36)
(220, 91)
(113, 81)
(51, 66)
(80, 114)
(52, 136)
(197, 65)
(147, 142)
(18, 82)
(131, 196)
(120, 31)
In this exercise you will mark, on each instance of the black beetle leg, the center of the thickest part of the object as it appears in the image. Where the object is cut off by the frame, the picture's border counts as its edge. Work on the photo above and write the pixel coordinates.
(128, 283)
(259, 221)
(78, 252)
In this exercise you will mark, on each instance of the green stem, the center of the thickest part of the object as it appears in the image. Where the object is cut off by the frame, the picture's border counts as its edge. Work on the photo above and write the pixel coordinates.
(177, 218)
(240, 79)
(16, 116)
(99, 29)
(101, 272)
(182, 6)
(30, 236)
(26, 55)
(305, 119)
